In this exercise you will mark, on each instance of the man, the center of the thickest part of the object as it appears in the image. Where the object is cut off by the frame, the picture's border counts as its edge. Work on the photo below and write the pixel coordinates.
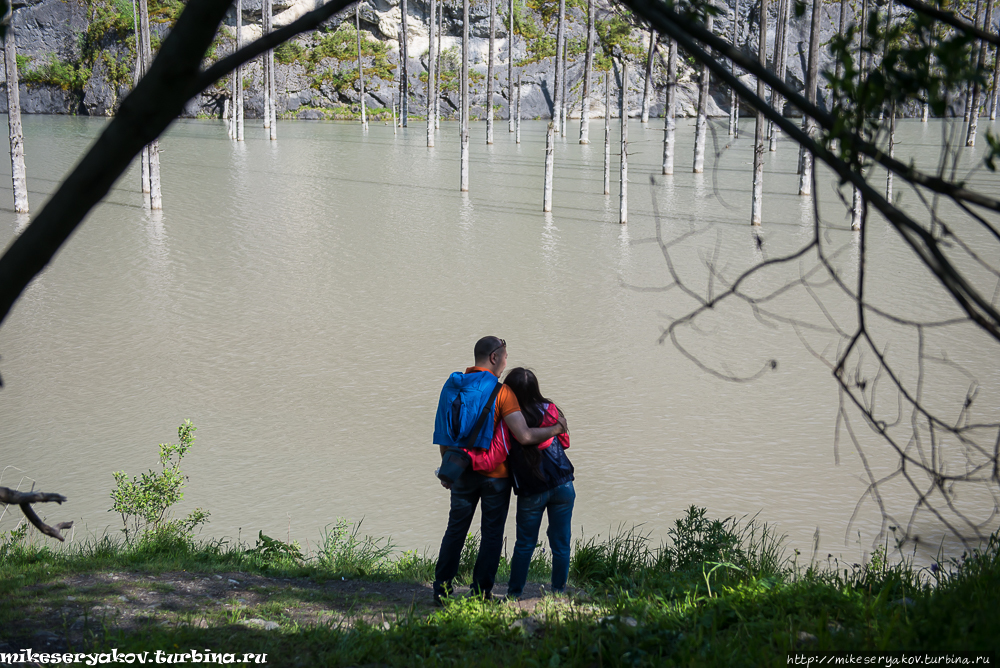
(492, 488)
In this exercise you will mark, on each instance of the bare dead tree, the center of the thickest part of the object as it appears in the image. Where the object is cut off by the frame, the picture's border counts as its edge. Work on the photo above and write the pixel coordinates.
(588, 66)
(757, 194)
(26, 499)
(510, 66)
(669, 113)
(19, 177)
(404, 73)
(701, 121)
(431, 92)
(647, 88)
(489, 73)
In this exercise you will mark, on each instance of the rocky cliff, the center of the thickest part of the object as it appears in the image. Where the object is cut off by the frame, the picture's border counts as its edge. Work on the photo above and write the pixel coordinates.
(77, 57)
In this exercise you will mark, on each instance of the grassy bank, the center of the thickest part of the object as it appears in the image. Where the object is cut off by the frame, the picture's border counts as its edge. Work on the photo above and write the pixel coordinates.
(718, 593)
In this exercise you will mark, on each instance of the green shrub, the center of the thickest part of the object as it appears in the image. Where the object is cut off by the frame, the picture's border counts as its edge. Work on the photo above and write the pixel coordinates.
(55, 72)
(144, 502)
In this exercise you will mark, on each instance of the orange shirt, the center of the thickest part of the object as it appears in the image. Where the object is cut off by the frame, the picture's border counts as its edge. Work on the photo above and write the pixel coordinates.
(506, 403)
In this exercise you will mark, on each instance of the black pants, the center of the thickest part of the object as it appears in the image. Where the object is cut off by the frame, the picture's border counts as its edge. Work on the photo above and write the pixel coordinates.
(466, 493)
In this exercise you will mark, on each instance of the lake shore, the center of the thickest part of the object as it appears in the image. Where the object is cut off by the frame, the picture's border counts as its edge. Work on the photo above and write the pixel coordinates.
(721, 594)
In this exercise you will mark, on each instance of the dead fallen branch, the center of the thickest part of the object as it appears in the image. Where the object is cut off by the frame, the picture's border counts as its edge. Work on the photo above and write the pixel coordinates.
(25, 499)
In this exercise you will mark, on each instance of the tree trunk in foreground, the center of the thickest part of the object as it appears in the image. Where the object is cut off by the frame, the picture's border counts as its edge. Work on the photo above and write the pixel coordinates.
(489, 73)
(464, 129)
(588, 65)
(404, 74)
(649, 76)
(812, 73)
(19, 179)
(549, 164)
(670, 110)
(701, 123)
(155, 198)
(758, 145)
(623, 172)
(431, 92)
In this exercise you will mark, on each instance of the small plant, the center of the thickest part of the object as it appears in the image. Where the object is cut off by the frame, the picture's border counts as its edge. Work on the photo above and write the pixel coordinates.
(144, 502)
(346, 553)
(13, 539)
(274, 550)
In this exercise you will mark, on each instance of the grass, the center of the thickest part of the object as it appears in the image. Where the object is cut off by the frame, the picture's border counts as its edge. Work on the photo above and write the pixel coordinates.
(718, 592)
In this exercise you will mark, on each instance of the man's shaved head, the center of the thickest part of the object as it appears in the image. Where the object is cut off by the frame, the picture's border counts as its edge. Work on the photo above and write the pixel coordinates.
(487, 345)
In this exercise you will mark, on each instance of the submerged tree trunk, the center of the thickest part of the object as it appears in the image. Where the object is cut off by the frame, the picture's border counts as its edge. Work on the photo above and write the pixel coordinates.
(465, 98)
(510, 68)
(239, 72)
(489, 74)
(670, 109)
(649, 76)
(227, 109)
(970, 139)
(517, 119)
(701, 123)
(996, 83)
(588, 64)
(806, 158)
(404, 72)
(361, 68)
(734, 101)
(549, 164)
(607, 132)
(623, 172)
(155, 198)
(564, 113)
(557, 81)
(437, 83)
(272, 87)
(839, 69)
(19, 179)
(265, 75)
(758, 146)
(892, 149)
(431, 92)
(780, 49)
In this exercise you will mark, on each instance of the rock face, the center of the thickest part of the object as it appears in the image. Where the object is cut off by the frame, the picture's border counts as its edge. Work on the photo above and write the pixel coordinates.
(56, 31)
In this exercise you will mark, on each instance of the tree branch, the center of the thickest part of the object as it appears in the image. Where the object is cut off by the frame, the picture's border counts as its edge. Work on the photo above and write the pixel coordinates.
(25, 499)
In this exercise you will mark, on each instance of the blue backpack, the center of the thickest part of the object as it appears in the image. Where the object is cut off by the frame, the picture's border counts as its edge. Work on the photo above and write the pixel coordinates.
(461, 406)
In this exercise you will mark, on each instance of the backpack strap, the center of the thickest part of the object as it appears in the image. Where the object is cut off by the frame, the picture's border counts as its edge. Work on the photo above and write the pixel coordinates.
(474, 434)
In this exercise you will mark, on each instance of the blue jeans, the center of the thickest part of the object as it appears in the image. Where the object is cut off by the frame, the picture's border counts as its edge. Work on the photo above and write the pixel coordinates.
(466, 493)
(559, 503)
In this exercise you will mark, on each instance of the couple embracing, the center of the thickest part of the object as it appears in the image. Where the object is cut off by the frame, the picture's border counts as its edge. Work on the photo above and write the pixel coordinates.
(494, 438)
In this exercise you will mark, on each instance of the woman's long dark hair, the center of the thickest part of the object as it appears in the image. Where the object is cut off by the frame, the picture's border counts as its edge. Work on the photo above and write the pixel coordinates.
(524, 384)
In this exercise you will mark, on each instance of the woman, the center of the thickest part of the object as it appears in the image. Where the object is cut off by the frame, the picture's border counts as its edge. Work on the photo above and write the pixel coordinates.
(543, 480)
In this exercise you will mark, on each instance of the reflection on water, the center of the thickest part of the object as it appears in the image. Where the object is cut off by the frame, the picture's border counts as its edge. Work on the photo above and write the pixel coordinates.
(302, 301)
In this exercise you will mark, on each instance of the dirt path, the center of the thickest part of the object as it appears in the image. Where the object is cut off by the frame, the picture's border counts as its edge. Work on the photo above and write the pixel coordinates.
(67, 612)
